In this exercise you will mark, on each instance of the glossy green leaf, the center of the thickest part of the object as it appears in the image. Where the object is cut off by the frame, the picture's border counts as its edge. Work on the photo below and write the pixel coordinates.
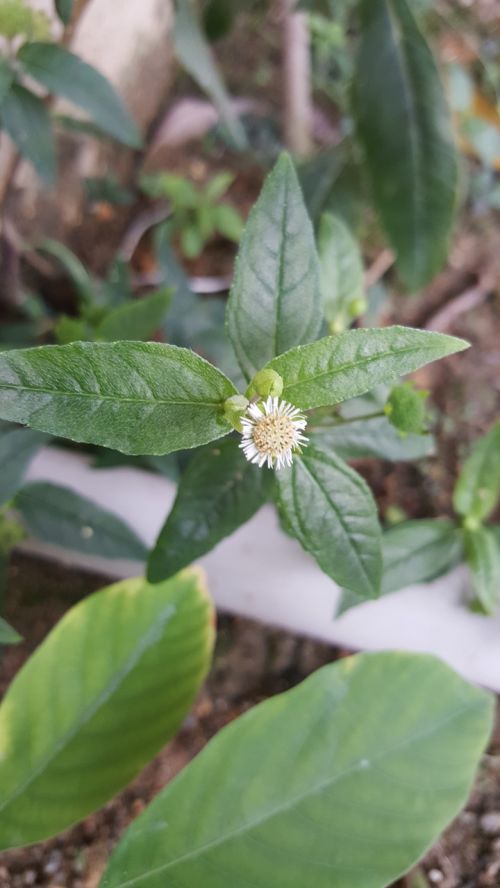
(62, 517)
(137, 319)
(64, 9)
(419, 551)
(8, 635)
(275, 300)
(478, 487)
(482, 551)
(339, 367)
(17, 449)
(97, 700)
(341, 271)
(374, 437)
(329, 508)
(138, 398)
(218, 492)
(342, 782)
(64, 74)
(195, 55)
(404, 125)
(26, 119)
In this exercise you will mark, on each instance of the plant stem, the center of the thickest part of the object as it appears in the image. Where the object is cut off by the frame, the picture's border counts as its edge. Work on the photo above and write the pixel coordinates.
(297, 80)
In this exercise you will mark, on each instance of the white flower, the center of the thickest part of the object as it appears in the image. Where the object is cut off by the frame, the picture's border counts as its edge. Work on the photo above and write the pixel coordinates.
(272, 432)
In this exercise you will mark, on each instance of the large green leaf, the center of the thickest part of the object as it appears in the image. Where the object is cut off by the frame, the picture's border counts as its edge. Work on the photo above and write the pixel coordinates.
(139, 398)
(6, 78)
(96, 701)
(482, 550)
(342, 782)
(64, 74)
(404, 126)
(478, 487)
(26, 119)
(135, 320)
(373, 436)
(218, 492)
(339, 367)
(17, 449)
(342, 275)
(194, 53)
(419, 551)
(275, 300)
(60, 516)
(64, 10)
(8, 635)
(329, 508)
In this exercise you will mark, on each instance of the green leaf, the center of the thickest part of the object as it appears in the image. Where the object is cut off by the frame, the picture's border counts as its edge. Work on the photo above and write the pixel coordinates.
(8, 635)
(218, 492)
(373, 437)
(64, 10)
(62, 517)
(275, 299)
(17, 449)
(218, 185)
(6, 78)
(105, 691)
(339, 367)
(196, 57)
(482, 551)
(64, 74)
(26, 119)
(329, 508)
(419, 551)
(404, 125)
(137, 320)
(317, 178)
(341, 267)
(138, 398)
(68, 329)
(228, 222)
(478, 487)
(342, 782)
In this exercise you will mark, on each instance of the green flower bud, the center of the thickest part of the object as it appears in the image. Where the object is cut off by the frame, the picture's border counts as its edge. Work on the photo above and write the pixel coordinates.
(234, 408)
(264, 384)
(11, 533)
(357, 307)
(405, 408)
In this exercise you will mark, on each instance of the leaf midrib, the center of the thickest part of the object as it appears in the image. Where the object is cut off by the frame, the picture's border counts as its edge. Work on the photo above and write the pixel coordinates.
(103, 397)
(324, 784)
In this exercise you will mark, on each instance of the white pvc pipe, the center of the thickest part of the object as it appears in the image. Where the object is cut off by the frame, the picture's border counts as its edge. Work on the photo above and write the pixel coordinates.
(260, 573)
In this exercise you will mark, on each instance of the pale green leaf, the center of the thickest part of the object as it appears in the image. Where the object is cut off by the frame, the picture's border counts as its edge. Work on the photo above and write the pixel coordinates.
(478, 486)
(341, 266)
(419, 551)
(17, 449)
(374, 436)
(136, 320)
(482, 550)
(27, 121)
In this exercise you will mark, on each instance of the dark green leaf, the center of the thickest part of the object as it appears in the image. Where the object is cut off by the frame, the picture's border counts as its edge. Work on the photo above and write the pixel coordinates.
(135, 320)
(329, 508)
(17, 449)
(419, 551)
(275, 300)
(317, 178)
(340, 367)
(64, 74)
(98, 699)
(139, 398)
(374, 437)
(62, 517)
(6, 78)
(404, 126)
(76, 271)
(26, 119)
(8, 635)
(342, 782)
(218, 492)
(478, 487)
(341, 271)
(64, 10)
(482, 551)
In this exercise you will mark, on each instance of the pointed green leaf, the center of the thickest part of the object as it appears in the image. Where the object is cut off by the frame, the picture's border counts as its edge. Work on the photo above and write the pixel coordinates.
(97, 700)
(218, 492)
(8, 635)
(62, 517)
(17, 449)
(482, 551)
(64, 74)
(137, 319)
(343, 782)
(374, 437)
(478, 487)
(329, 508)
(339, 367)
(419, 551)
(26, 119)
(404, 125)
(275, 299)
(136, 397)
(341, 267)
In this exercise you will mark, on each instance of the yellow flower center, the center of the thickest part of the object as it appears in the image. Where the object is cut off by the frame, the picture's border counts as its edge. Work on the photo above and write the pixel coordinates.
(273, 435)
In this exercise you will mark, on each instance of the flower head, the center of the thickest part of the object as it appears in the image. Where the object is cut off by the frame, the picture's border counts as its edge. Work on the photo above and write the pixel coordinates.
(272, 433)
